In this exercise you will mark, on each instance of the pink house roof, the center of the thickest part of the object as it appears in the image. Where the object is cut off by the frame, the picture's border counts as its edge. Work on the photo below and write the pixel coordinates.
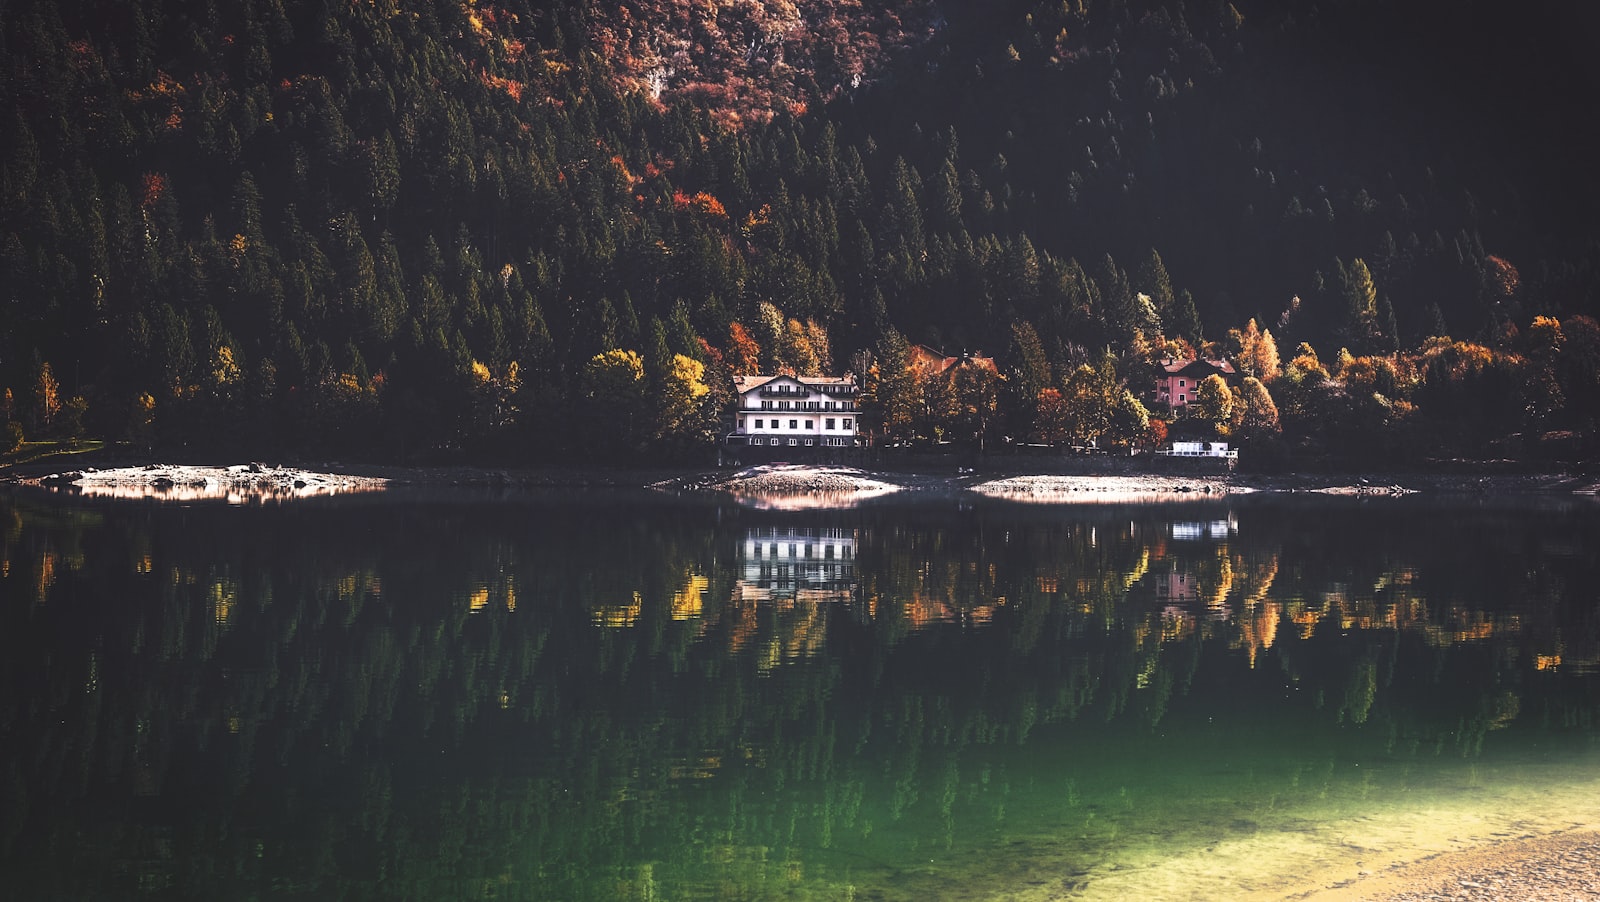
(1198, 369)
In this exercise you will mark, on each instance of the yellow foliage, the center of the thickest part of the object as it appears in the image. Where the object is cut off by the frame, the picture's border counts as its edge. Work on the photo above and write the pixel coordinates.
(617, 616)
(691, 374)
(480, 373)
(224, 370)
(688, 601)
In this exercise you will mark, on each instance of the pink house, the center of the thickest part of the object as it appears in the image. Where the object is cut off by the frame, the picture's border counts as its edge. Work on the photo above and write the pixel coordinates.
(1178, 381)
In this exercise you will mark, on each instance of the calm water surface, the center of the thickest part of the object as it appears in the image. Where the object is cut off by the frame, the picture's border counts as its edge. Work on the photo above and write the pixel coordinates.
(621, 697)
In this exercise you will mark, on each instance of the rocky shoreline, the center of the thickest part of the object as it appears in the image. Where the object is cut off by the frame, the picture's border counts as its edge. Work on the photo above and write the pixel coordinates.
(175, 482)
(1555, 866)
(851, 483)
(794, 486)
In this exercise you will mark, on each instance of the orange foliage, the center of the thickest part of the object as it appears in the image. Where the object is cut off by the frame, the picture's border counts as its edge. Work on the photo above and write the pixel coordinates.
(155, 185)
(496, 82)
(82, 55)
(164, 87)
(1155, 434)
(1503, 276)
(712, 354)
(700, 203)
(622, 167)
(744, 355)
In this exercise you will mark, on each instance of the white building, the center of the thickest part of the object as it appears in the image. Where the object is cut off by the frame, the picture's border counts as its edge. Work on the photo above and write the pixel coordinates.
(796, 412)
(1200, 449)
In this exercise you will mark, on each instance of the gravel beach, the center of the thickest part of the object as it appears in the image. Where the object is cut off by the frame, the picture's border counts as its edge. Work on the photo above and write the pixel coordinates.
(1559, 866)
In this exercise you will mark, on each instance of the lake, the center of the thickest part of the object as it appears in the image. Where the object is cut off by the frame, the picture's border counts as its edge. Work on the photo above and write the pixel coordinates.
(575, 696)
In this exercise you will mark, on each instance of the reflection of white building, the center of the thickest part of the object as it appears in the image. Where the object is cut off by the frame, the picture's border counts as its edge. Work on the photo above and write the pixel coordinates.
(785, 562)
(1195, 530)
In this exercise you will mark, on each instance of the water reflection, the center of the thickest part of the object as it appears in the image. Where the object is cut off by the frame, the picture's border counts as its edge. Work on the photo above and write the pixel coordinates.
(797, 564)
(569, 699)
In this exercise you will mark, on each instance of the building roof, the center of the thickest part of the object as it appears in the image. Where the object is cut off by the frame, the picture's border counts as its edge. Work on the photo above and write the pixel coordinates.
(925, 362)
(1197, 368)
(742, 384)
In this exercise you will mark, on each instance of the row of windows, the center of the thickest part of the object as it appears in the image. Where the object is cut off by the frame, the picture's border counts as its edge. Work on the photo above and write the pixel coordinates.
(809, 405)
(794, 424)
(796, 550)
(808, 443)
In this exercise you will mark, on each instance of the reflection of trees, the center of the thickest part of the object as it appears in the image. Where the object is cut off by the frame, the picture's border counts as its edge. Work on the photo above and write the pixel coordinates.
(437, 701)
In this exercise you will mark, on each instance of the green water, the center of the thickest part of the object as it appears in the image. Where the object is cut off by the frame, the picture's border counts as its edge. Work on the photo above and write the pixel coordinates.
(635, 697)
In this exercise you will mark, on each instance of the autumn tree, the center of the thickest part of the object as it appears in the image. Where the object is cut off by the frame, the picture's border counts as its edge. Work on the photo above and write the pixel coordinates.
(1091, 394)
(1051, 420)
(1256, 350)
(772, 334)
(1303, 389)
(613, 387)
(683, 416)
(798, 351)
(895, 396)
(1360, 297)
(1260, 412)
(141, 432)
(1578, 371)
(1544, 341)
(1030, 375)
(973, 402)
(1129, 420)
(46, 398)
(744, 355)
(1214, 402)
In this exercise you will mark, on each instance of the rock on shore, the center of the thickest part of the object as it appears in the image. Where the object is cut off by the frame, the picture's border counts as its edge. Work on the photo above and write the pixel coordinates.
(796, 486)
(1106, 489)
(171, 482)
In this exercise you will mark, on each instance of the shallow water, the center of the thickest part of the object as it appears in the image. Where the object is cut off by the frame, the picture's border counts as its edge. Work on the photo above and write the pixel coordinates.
(618, 697)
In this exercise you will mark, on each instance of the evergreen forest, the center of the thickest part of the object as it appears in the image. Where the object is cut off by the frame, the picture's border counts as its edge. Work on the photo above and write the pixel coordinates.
(536, 231)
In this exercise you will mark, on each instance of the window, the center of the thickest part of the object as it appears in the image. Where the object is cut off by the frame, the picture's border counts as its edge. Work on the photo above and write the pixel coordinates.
(846, 424)
(1182, 398)
(741, 422)
(758, 424)
(775, 442)
(766, 405)
(1181, 383)
(808, 443)
(811, 424)
(829, 423)
(794, 424)
(793, 442)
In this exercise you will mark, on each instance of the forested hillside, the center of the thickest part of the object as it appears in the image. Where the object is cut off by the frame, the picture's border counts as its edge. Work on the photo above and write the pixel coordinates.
(529, 230)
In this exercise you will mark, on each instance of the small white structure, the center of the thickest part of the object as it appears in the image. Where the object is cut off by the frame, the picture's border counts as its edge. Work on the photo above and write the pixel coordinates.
(796, 412)
(1200, 449)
